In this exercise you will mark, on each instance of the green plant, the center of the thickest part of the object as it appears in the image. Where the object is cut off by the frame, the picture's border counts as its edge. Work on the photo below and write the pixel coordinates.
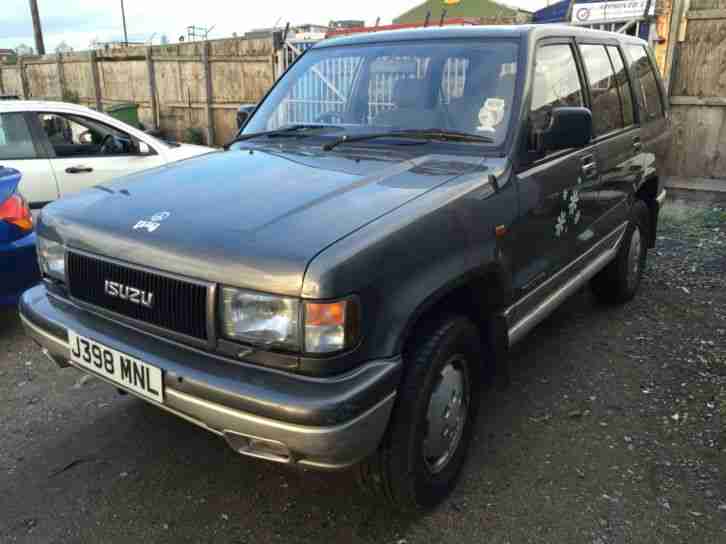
(71, 96)
(194, 136)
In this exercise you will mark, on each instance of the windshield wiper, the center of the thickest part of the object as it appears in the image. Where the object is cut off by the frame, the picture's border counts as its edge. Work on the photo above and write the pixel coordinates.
(427, 134)
(288, 131)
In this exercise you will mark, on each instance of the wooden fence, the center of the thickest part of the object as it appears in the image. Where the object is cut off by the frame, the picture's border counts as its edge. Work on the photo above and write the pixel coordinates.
(195, 85)
(698, 92)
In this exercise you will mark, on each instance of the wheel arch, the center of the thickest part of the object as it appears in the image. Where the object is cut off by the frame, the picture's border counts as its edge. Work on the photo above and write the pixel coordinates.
(648, 192)
(479, 295)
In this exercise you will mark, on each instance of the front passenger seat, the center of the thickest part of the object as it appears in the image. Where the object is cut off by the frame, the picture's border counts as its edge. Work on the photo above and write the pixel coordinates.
(413, 109)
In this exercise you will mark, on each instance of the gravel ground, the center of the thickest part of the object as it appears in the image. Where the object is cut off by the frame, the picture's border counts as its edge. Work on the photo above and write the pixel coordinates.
(611, 432)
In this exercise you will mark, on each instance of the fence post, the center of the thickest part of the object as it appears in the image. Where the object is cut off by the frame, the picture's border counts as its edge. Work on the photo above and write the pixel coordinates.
(96, 80)
(23, 79)
(151, 74)
(60, 69)
(209, 97)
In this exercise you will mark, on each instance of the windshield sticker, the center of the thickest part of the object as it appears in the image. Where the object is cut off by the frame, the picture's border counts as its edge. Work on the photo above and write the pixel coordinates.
(508, 69)
(491, 114)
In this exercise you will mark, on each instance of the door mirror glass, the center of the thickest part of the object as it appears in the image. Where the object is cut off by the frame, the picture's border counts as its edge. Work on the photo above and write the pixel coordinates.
(244, 113)
(569, 127)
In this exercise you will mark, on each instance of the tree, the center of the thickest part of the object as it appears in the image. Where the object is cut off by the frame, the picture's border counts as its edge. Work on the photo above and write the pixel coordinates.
(23, 50)
(63, 47)
(164, 39)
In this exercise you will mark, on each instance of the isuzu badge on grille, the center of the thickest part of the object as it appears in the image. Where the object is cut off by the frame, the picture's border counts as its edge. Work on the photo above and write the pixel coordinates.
(131, 294)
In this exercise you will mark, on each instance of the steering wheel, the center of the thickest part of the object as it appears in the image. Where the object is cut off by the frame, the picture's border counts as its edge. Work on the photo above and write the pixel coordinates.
(109, 145)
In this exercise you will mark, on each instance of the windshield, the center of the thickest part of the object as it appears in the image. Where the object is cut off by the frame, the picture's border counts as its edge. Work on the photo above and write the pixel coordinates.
(449, 85)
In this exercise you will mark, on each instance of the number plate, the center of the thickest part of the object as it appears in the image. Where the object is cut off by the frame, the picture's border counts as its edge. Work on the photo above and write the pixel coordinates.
(136, 376)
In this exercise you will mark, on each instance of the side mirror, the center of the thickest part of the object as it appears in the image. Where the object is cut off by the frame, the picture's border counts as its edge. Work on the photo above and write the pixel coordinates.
(244, 113)
(569, 127)
(144, 148)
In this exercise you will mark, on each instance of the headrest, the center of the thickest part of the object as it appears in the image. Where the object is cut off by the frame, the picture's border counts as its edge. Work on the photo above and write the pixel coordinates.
(409, 93)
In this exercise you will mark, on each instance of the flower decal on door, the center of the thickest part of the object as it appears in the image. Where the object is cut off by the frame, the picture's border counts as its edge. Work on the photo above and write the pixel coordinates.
(561, 226)
(570, 214)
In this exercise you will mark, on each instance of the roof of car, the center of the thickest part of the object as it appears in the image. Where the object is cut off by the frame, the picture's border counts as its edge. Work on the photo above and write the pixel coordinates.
(42, 105)
(470, 31)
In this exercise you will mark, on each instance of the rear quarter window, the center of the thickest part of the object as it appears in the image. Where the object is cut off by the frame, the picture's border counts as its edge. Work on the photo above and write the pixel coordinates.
(649, 100)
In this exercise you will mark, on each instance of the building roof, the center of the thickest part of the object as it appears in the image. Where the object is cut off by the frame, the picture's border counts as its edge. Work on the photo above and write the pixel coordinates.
(481, 8)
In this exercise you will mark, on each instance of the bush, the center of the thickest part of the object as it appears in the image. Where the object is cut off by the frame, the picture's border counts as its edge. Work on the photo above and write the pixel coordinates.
(71, 96)
(194, 136)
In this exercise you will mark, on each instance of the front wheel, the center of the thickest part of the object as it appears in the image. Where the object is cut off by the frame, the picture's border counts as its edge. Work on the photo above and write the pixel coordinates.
(421, 456)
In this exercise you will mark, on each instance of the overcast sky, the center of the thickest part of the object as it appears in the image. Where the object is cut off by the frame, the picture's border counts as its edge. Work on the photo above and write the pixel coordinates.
(78, 21)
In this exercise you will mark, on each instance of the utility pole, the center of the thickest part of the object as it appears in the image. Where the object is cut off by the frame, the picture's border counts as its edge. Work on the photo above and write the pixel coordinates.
(123, 17)
(37, 30)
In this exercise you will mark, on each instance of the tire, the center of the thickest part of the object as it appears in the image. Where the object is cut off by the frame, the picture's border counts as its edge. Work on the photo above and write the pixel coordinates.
(619, 281)
(407, 470)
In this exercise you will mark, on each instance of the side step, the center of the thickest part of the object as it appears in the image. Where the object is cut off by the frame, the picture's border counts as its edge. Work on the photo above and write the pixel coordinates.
(543, 309)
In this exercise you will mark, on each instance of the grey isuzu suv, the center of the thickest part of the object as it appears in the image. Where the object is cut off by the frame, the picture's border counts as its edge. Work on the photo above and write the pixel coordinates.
(333, 289)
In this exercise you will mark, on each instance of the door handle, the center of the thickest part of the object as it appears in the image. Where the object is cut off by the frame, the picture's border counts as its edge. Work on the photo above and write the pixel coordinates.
(589, 167)
(78, 169)
(589, 170)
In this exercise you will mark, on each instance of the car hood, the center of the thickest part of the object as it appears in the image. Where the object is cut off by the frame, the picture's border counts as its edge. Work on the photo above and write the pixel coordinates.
(251, 218)
(186, 151)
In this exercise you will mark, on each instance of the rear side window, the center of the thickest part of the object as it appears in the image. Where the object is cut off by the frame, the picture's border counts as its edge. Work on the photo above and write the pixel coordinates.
(621, 78)
(606, 110)
(650, 100)
(15, 139)
(556, 83)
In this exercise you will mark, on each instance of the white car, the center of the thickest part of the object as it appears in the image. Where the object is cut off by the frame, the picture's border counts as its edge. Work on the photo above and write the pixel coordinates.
(62, 148)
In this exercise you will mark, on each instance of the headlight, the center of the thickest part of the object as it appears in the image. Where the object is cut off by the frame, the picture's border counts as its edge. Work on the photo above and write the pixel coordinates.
(261, 319)
(51, 259)
(275, 322)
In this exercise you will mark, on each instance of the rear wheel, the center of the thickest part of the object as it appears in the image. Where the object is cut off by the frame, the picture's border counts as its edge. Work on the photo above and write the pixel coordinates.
(421, 456)
(619, 281)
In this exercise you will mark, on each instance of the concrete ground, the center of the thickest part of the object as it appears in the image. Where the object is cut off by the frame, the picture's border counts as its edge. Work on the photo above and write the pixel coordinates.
(610, 433)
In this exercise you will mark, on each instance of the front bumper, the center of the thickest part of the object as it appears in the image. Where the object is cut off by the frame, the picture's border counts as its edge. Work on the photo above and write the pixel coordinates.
(327, 423)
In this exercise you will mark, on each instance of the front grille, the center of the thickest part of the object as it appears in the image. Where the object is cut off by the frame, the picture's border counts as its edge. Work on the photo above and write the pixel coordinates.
(178, 306)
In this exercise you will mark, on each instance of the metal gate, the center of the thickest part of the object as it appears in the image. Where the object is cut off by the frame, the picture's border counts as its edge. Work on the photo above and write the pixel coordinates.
(324, 89)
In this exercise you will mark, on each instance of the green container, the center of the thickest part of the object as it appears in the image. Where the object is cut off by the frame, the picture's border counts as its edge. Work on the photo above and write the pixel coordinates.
(127, 112)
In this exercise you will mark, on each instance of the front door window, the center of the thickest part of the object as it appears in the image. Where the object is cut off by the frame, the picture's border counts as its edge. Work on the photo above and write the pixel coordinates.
(75, 136)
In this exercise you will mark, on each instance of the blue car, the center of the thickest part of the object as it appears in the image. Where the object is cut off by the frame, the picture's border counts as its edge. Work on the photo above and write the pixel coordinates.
(18, 263)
